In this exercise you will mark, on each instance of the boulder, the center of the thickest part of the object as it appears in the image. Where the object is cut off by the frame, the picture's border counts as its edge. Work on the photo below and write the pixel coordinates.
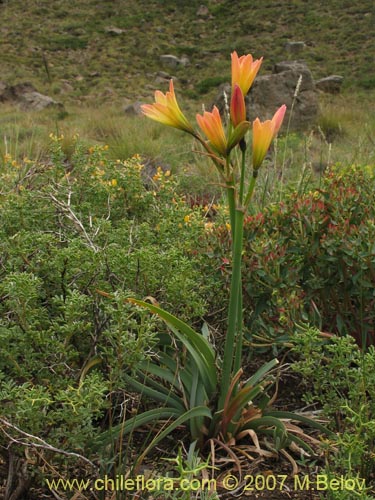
(203, 11)
(295, 48)
(269, 92)
(26, 97)
(330, 84)
(162, 78)
(172, 61)
(133, 109)
(112, 30)
(291, 81)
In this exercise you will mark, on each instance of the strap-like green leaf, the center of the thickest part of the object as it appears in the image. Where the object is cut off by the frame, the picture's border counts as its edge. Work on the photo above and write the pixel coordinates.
(183, 374)
(267, 421)
(163, 373)
(134, 422)
(299, 418)
(193, 413)
(160, 394)
(198, 347)
(261, 372)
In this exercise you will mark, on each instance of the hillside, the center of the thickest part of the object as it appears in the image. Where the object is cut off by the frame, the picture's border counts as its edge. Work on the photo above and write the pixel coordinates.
(90, 52)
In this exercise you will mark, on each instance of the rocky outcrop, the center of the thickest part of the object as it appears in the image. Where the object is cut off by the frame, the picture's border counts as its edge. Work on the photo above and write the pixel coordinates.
(330, 84)
(295, 48)
(290, 81)
(203, 11)
(26, 97)
(172, 61)
(133, 109)
(112, 30)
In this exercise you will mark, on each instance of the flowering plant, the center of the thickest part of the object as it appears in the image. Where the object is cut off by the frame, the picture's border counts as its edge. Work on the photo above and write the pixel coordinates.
(195, 384)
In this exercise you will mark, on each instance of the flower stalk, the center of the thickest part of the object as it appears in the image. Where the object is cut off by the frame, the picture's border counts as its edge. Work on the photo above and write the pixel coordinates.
(233, 341)
(219, 142)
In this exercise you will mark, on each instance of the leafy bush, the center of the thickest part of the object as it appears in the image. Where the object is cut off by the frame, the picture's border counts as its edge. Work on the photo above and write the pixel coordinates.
(311, 257)
(341, 379)
(67, 228)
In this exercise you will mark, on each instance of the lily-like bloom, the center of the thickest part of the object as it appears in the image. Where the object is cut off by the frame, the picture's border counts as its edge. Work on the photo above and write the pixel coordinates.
(212, 127)
(264, 133)
(237, 106)
(244, 70)
(166, 110)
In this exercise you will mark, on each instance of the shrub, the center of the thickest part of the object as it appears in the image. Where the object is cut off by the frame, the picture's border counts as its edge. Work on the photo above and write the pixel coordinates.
(341, 379)
(68, 227)
(310, 257)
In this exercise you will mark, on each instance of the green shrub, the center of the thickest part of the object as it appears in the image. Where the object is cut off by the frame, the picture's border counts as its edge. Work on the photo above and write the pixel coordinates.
(68, 227)
(341, 379)
(310, 258)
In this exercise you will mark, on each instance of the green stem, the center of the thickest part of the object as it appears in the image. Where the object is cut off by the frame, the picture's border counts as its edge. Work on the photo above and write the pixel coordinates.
(251, 188)
(234, 333)
(243, 164)
(238, 351)
(232, 208)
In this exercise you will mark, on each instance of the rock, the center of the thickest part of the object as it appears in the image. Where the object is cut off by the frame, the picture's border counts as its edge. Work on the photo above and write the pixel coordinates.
(291, 81)
(133, 109)
(164, 74)
(162, 78)
(112, 30)
(173, 61)
(203, 11)
(170, 60)
(296, 66)
(66, 87)
(269, 92)
(330, 84)
(184, 61)
(26, 97)
(295, 48)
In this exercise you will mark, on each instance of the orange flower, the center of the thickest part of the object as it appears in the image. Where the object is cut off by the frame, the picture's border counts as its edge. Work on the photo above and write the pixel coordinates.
(166, 110)
(212, 127)
(264, 133)
(244, 70)
(237, 106)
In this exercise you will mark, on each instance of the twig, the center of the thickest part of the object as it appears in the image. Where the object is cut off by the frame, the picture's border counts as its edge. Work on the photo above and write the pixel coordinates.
(37, 442)
(65, 207)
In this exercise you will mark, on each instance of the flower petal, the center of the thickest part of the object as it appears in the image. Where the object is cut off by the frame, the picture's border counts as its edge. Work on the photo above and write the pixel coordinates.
(212, 126)
(166, 110)
(237, 106)
(244, 71)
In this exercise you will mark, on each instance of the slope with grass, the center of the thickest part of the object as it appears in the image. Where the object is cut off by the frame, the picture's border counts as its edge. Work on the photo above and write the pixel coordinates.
(71, 48)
